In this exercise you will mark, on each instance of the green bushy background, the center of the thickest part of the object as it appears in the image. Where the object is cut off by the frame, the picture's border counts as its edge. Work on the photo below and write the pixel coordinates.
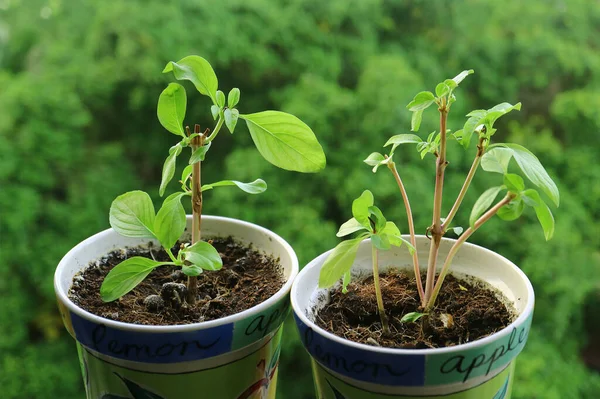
(79, 83)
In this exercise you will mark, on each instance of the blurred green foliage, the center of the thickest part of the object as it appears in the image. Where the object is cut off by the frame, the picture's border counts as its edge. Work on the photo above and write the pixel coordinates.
(79, 81)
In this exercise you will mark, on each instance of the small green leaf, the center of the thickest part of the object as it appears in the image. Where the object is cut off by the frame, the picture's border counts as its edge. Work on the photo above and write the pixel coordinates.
(496, 112)
(191, 270)
(199, 154)
(514, 183)
(203, 255)
(198, 71)
(168, 170)
(532, 198)
(377, 218)
(381, 241)
(442, 89)
(421, 101)
(126, 276)
(512, 210)
(220, 97)
(214, 110)
(460, 77)
(346, 281)
(496, 160)
(399, 139)
(339, 262)
(375, 160)
(170, 221)
(393, 234)
(187, 172)
(457, 230)
(360, 208)
(483, 203)
(412, 317)
(132, 215)
(349, 227)
(533, 169)
(415, 121)
(171, 108)
(255, 187)
(233, 97)
(462, 288)
(231, 118)
(285, 141)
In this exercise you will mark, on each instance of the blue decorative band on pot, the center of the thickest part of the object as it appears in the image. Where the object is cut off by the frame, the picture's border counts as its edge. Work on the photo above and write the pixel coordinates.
(176, 347)
(388, 368)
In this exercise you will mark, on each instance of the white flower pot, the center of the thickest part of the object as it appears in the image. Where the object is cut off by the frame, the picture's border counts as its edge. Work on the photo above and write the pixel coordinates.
(482, 369)
(233, 357)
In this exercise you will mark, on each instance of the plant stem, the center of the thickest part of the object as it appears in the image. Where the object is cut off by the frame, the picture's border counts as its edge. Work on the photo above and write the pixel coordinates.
(465, 187)
(168, 251)
(192, 282)
(461, 240)
(411, 229)
(215, 130)
(436, 228)
(382, 315)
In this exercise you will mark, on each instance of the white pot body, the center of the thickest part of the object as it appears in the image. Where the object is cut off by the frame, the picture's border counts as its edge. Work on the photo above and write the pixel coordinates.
(234, 357)
(481, 369)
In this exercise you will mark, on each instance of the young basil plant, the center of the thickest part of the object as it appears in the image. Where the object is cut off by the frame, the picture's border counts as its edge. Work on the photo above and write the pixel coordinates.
(495, 158)
(281, 138)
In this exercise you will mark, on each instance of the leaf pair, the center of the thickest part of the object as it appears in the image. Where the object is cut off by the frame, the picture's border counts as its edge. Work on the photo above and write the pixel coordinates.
(480, 119)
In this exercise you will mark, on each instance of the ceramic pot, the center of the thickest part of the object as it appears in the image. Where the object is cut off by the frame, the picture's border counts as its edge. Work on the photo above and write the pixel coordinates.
(235, 357)
(482, 369)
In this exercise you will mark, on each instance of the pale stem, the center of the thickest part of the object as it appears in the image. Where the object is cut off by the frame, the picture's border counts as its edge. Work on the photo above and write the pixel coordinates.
(192, 282)
(215, 130)
(382, 315)
(411, 229)
(461, 240)
(436, 228)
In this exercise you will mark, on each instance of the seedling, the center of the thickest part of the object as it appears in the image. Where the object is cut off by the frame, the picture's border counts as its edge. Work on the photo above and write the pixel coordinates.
(281, 138)
(493, 158)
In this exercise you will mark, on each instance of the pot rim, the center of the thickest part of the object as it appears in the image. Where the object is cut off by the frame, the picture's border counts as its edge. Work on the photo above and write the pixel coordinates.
(72, 307)
(527, 311)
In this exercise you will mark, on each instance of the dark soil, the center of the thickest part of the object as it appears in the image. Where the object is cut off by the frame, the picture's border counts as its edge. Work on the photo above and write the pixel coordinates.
(246, 279)
(464, 312)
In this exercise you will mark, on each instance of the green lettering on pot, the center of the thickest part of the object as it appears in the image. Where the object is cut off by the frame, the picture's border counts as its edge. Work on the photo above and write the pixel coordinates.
(480, 361)
(253, 328)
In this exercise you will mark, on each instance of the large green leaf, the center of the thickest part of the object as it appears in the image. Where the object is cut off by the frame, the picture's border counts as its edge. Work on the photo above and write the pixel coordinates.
(203, 255)
(132, 215)
(254, 187)
(126, 276)
(339, 262)
(483, 203)
(349, 227)
(198, 71)
(170, 220)
(543, 213)
(171, 108)
(285, 141)
(496, 160)
(533, 169)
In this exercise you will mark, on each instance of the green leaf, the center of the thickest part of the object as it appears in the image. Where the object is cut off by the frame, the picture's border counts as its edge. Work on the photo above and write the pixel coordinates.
(349, 227)
(496, 112)
(457, 230)
(399, 139)
(412, 317)
(198, 71)
(220, 97)
(532, 198)
(132, 215)
(285, 141)
(375, 160)
(187, 172)
(415, 121)
(255, 187)
(345, 281)
(421, 101)
(378, 220)
(483, 203)
(214, 110)
(512, 210)
(514, 183)
(231, 118)
(168, 169)
(360, 208)
(191, 270)
(460, 77)
(171, 108)
(126, 276)
(339, 262)
(496, 160)
(233, 97)
(170, 221)
(533, 169)
(393, 234)
(381, 241)
(203, 255)
(442, 89)
(470, 125)
(199, 154)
